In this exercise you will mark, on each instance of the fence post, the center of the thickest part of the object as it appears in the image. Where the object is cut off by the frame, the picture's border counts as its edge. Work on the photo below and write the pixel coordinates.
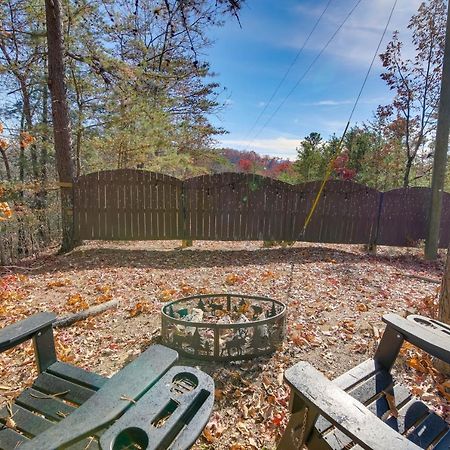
(372, 248)
(183, 211)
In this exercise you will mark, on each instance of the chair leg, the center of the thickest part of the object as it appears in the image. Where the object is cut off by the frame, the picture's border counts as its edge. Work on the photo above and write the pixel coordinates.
(389, 348)
(44, 349)
(299, 427)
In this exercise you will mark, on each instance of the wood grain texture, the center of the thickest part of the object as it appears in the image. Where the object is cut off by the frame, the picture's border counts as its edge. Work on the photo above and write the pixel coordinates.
(130, 204)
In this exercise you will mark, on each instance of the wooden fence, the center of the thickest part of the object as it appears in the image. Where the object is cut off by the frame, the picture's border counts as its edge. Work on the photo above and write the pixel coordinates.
(139, 205)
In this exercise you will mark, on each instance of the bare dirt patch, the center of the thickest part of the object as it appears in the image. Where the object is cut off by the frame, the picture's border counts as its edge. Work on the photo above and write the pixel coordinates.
(336, 296)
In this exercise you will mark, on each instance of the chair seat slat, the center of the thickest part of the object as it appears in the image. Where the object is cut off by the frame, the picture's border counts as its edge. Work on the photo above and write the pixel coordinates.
(444, 442)
(77, 375)
(428, 430)
(10, 439)
(51, 384)
(27, 422)
(52, 408)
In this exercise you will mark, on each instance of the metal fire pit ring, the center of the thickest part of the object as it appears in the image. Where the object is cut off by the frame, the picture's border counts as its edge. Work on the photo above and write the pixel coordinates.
(223, 327)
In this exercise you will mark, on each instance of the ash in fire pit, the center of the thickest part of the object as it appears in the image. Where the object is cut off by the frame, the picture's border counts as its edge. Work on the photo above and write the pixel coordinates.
(223, 326)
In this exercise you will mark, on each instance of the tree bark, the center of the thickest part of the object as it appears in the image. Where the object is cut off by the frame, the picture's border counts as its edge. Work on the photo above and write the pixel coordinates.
(42, 195)
(407, 172)
(29, 125)
(44, 151)
(440, 154)
(61, 119)
(72, 318)
(444, 297)
(5, 160)
(444, 309)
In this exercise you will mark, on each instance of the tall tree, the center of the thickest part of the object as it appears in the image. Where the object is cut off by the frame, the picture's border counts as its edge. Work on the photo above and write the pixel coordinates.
(309, 158)
(416, 82)
(440, 154)
(60, 115)
(444, 308)
(20, 54)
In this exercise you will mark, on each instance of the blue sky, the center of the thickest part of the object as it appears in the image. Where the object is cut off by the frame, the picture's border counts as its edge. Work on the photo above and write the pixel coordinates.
(250, 62)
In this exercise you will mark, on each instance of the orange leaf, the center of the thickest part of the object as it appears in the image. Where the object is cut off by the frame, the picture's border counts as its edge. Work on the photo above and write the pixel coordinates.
(103, 298)
(233, 279)
(416, 363)
(237, 447)
(59, 283)
(5, 211)
(167, 295)
(26, 139)
(444, 389)
(77, 303)
(139, 308)
(208, 435)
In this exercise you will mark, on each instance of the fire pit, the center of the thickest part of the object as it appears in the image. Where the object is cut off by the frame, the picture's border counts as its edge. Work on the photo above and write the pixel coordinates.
(223, 327)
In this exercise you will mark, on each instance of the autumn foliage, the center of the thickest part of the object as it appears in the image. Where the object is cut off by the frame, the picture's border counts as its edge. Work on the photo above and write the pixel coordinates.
(5, 210)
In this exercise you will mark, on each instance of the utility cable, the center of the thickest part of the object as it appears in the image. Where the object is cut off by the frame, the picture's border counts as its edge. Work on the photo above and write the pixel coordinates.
(341, 141)
(283, 79)
(305, 73)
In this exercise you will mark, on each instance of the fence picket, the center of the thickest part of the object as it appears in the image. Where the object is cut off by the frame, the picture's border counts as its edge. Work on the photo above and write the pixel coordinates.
(134, 204)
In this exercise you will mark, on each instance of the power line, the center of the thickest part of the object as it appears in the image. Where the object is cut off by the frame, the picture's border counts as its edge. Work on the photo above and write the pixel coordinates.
(308, 69)
(283, 79)
(341, 141)
(373, 60)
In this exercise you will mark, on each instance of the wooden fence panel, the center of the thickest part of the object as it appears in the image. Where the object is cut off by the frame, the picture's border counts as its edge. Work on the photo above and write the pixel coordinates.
(127, 205)
(134, 204)
(404, 216)
(444, 240)
(346, 213)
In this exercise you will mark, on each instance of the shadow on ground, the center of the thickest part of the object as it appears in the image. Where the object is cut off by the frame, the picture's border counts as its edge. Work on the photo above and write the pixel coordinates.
(93, 258)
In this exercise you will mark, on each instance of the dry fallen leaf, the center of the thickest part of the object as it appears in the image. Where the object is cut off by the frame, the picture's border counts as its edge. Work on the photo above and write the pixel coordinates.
(76, 303)
(233, 279)
(391, 403)
(167, 294)
(140, 308)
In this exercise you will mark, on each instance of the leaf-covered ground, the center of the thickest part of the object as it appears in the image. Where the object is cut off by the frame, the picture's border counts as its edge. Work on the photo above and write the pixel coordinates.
(336, 296)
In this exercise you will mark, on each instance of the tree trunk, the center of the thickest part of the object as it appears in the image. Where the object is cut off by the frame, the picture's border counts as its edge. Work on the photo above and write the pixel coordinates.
(22, 160)
(407, 172)
(29, 126)
(440, 154)
(444, 309)
(79, 136)
(72, 318)
(42, 196)
(444, 297)
(61, 119)
(44, 151)
(5, 160)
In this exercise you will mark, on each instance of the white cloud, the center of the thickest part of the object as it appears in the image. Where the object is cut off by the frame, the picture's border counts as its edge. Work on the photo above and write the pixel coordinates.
(357, 40)
(281, 147)
(332, 102)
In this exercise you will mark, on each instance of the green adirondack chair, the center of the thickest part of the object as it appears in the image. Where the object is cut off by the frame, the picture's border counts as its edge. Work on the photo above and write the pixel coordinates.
(357, 409)
(148, 404)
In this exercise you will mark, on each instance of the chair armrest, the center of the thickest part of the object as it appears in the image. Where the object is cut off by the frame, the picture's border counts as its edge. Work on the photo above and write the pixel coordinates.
(181, 423)
(120, 392)
(342, 410)
(429, 335)
(25, 329)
